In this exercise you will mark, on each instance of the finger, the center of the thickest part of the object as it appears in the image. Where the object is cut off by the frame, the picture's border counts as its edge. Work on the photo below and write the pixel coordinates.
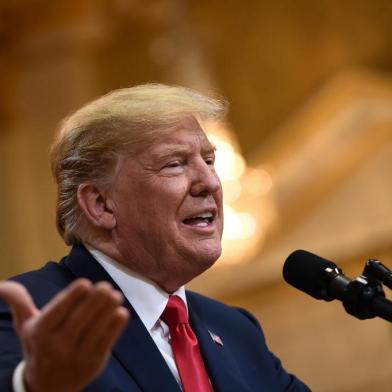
(113, 329)
(106, 331)
(100, 303)
(57, 310)
(20, 301)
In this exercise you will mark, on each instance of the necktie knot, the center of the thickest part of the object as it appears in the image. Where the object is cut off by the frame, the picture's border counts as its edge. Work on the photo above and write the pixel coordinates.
(175, 312)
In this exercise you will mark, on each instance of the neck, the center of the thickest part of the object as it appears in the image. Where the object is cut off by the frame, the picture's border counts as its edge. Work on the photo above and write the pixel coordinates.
(169, 285)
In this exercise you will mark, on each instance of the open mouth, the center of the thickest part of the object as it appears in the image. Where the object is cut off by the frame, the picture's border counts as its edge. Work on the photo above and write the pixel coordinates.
(203, 219)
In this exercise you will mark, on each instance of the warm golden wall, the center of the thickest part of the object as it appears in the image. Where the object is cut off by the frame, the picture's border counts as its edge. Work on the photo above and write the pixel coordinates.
(268, 59)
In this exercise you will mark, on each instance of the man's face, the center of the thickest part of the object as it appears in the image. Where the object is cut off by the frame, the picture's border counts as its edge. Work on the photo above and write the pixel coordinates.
(168, 207)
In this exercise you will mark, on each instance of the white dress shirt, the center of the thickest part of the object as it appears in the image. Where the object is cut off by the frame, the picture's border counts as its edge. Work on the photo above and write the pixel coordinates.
(148, 300)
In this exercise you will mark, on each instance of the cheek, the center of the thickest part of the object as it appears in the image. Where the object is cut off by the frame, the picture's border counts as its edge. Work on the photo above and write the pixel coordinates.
(169, 197)
(161, 208)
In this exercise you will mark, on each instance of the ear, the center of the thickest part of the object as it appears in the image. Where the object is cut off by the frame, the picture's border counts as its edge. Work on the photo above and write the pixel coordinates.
(92, 200)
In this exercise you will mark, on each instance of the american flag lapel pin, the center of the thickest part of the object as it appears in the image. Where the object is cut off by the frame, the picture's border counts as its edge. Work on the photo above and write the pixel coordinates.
(216, 339)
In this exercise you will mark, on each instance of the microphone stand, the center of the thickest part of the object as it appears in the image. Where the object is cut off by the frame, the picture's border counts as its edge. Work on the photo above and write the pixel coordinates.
(364, 296)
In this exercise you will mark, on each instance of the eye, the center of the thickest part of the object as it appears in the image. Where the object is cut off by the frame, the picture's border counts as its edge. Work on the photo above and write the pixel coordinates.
(173, 164)
(210, 161)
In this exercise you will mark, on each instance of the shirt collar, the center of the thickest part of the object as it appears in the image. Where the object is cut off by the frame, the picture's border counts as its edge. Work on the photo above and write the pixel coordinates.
(146, 297)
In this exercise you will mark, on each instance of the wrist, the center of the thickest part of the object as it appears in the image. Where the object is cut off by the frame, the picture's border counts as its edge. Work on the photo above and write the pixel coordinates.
(42, 384)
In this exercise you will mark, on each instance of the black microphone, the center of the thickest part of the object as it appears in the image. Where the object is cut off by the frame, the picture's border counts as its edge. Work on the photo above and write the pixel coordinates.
(362, 297)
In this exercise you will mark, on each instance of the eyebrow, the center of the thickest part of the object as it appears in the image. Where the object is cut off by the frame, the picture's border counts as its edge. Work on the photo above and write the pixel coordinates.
(180, 149)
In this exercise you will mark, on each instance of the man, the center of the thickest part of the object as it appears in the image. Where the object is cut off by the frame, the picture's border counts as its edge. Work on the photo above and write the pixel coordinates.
(141, 205)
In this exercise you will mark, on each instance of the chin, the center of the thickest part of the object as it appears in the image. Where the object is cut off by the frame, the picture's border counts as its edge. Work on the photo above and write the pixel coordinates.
(207, 257)
(192, 265)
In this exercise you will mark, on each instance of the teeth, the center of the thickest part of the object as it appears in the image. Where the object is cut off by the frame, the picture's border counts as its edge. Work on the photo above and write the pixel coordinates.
(202, 224)
(203, 215)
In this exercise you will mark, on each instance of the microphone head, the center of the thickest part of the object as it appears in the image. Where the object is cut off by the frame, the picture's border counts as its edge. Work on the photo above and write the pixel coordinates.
(306, 272)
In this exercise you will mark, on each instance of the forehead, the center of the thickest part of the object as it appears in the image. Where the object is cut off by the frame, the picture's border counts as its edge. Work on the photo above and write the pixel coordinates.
(183, 137)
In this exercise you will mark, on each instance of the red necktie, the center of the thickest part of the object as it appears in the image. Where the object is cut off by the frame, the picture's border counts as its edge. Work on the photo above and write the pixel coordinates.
(185, 347)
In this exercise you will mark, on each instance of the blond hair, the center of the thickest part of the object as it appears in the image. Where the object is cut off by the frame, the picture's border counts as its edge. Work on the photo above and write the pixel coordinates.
(90, 142)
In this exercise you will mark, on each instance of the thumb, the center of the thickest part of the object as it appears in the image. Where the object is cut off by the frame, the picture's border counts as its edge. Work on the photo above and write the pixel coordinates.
(19, 300)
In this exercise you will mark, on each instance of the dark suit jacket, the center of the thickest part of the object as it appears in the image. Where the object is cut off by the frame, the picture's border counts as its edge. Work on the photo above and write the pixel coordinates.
(242, 364)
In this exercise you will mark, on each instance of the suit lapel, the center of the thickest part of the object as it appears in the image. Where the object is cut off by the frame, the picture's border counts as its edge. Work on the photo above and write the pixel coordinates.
(135, 349)
(221, 365)
(137, 352)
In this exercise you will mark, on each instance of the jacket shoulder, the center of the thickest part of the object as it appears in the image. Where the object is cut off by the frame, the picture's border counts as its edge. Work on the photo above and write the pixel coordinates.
(207, 307)
(45, 282)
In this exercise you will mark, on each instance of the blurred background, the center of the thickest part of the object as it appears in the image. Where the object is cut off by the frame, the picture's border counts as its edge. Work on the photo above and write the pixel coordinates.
(305, 155)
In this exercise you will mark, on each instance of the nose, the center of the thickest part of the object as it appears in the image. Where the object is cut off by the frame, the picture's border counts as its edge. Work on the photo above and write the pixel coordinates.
(205, 181)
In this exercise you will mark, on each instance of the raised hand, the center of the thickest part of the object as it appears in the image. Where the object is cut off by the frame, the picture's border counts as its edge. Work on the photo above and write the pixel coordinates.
(67, 343)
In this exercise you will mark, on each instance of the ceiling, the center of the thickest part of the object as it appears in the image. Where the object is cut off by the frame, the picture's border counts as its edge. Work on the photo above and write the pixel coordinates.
(266, 57)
